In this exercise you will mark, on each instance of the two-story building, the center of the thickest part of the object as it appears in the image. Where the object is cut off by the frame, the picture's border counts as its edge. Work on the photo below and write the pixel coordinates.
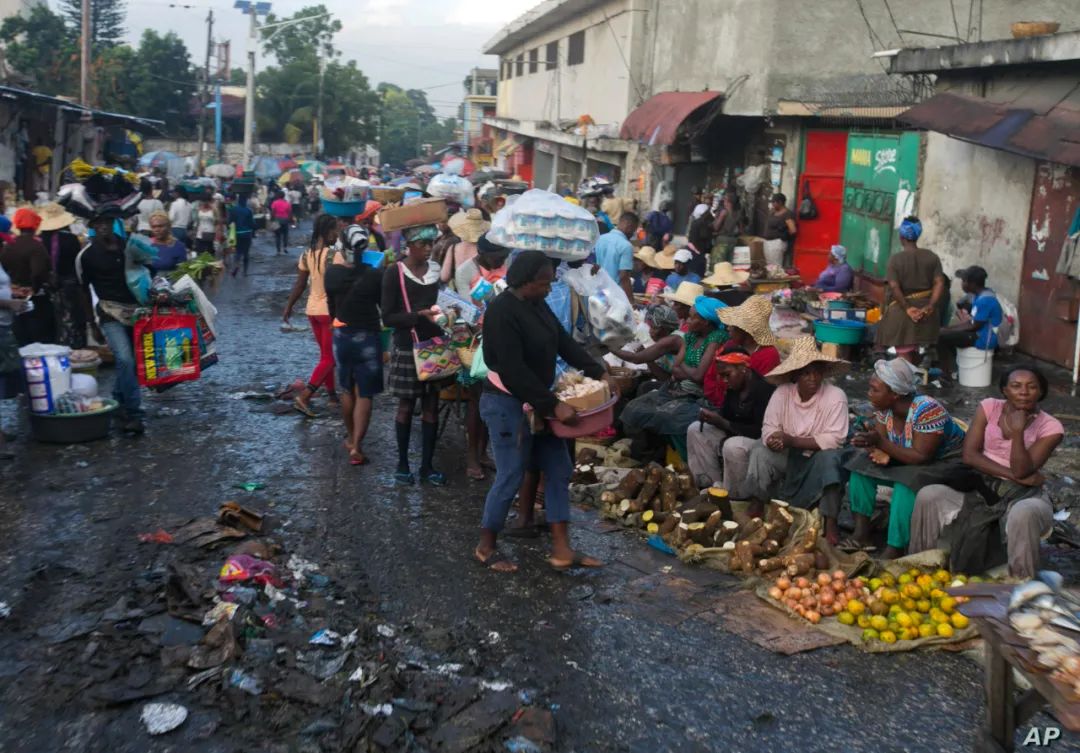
(667, 97)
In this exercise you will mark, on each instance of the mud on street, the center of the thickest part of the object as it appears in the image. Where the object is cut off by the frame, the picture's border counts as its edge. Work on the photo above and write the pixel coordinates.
(432, 652)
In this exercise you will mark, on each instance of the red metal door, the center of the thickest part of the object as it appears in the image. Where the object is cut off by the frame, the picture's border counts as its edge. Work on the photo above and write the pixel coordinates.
(823, 176)
(1047, 304)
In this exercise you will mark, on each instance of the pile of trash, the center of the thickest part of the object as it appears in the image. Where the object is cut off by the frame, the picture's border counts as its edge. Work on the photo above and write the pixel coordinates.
(227, 636)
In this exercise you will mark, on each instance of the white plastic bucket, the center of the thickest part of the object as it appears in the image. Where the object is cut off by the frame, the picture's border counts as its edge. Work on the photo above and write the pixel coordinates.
(974, 366)
(48, 374)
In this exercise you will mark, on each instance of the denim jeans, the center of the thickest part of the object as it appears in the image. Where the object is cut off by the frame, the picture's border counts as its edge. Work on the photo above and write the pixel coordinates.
(243, 250)
(517, 450)
(126, 388)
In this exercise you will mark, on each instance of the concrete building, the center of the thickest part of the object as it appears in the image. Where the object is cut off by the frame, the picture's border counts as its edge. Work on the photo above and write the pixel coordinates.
(667, 97)
(1000, 173)
(479, 102)
(10, 8)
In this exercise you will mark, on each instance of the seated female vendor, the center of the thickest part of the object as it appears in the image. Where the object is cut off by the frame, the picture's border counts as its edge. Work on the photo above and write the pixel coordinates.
(914, 442)
(1008, 444)
(748, 328)
(669, 410)
(667, 344)
(838, 276)
(798, 457)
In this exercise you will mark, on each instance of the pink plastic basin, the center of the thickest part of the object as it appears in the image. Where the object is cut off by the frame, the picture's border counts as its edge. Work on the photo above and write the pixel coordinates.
(589, 422)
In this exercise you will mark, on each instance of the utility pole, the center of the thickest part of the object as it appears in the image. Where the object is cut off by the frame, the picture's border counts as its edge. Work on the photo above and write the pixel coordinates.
(204, 95)
(249, 100)
(319, 129)
(84, 61)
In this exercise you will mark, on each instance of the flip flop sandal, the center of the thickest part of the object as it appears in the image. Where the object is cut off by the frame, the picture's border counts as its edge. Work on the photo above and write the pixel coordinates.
(476, 475)
(357, 458)
(306, 410)
(404, 478)
(577, 561)
(522, 532)
(493, 559)
(435, 478)
(851, 545)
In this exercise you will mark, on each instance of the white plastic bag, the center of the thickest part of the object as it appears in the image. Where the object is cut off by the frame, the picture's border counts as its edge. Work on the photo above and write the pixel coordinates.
(543, 221)
(607, 308)
(452, 188)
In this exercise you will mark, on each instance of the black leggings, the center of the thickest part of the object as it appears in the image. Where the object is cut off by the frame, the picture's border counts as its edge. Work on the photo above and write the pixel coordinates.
(281, 236)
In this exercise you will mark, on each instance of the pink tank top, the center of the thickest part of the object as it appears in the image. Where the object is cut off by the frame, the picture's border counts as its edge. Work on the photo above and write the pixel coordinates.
(997, 447)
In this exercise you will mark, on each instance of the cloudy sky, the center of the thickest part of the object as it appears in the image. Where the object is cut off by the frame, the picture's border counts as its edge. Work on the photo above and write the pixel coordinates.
(428, 44)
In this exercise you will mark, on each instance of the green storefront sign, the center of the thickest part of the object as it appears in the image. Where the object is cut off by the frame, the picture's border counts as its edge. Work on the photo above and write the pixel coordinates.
(879, 177)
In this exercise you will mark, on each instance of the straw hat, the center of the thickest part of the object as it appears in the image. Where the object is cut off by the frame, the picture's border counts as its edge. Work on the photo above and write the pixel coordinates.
(647, 256)
(752, 316)
(724, 275)
(469, 225)
(687, 293)
(666, 258)
(54, 217)
(804, 352)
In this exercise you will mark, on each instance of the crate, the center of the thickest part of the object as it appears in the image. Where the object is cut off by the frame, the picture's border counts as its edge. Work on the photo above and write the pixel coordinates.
(422, 212)
(855, 315)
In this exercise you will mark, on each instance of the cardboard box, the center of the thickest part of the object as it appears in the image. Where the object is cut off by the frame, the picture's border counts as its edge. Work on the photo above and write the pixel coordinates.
(421, 212)
(591, 400)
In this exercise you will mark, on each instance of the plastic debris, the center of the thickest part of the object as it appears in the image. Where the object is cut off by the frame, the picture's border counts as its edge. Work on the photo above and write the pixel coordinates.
(493, 637)
(385, 631)
(223, 610)
(321, 666)
(325, 638)
(522, 745)
(496, 685)
(160, 718)
(247, 683)
(365, 674)
(160, 536)
(299, 567)
(349, 639)
(250, 486)
(5, 610)
(449, 669)
(383, 709)
(659, 544)
(241, 567)
(1061, 515)
(240, 595)
(273, 594)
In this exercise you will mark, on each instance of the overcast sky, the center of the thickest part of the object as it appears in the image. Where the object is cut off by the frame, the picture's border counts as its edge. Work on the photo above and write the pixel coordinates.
(417, 44)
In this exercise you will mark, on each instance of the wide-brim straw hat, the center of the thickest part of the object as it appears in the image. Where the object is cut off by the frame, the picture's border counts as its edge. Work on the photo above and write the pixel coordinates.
(647, 256)
(724, 274)
(804, 351)
(666, 258)
(54, 217)
(686, 293)
(469, 225)
(752, 317)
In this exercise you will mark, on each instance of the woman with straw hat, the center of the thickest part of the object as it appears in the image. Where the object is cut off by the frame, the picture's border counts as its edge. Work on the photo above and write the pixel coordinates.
(669, 410)
(468, 226)
(798, 457)
(683, 299)
(725, 276)
(63, 247)
(646, 280)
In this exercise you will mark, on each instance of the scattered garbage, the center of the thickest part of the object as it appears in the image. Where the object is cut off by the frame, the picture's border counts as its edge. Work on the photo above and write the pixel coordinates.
(658, 543)
(243, 567)
(160, 536)
(160, 718)
(250, 486)
(223, 610)
(5, 610)
(325, 638)
(1061, 515)
(321, 666)
(236, 515)
(385, 631)
(245, 682)
(522, 745)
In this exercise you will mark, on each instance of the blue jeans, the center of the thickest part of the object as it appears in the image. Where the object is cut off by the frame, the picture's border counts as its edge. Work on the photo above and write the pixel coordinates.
(516, 450)
(126, 389)
(180, 233)
(243, 250)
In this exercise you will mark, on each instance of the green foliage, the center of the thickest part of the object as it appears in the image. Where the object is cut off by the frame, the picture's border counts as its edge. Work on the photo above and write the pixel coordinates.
(106, 21)
(42, 47)
(408, 121)
(301, 42)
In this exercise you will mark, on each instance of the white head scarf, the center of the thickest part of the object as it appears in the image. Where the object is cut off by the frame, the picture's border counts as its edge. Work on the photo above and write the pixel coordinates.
(699, 210)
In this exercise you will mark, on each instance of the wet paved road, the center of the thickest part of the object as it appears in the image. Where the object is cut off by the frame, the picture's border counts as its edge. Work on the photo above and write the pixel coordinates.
(622, 677)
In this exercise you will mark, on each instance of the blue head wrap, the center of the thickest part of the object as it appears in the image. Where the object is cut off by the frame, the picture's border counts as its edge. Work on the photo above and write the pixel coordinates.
(709, 308)
(421, 233)
(5, 223)
(910, 229)
(839, 253)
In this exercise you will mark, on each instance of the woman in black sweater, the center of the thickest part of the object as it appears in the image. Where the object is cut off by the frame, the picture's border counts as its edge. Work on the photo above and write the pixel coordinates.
(353, 292)
(522, 338)
(418, 275)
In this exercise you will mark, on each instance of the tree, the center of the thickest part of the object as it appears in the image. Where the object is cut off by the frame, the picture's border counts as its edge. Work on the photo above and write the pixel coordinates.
(400, 132)
(106, 21)
(42, 47)
(163, 81)
(301, 41)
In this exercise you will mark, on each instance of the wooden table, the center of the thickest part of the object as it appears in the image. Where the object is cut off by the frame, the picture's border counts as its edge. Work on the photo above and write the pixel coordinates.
(1007, 650)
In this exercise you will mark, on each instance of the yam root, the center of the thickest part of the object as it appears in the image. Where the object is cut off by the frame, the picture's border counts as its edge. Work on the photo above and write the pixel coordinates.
(698, 512)
(587, 456)
(652, 528)
(669, 524)
(770, 564)
(744, 556)
(652, 516)
(821, 560)
(630, 485)
(808, 543)
(726, 531)
(755, 531)
(770, 547)
(682, 534)
(798, 564)
(669, 484)
(720, 497)
(686, 485)
(624, 507)
(654, 474)
(610, 498)
(696, 532)
(712, 523)
(780, 517)
(584, 474)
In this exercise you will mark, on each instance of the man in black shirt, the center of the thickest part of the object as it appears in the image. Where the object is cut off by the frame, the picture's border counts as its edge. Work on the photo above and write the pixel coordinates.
(100, 266)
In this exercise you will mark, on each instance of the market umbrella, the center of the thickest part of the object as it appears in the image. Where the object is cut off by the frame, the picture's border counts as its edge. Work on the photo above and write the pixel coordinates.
(458, 165)
(220, 170)
(313, 166)
(294, 175)
(159, 158)
(287, 163)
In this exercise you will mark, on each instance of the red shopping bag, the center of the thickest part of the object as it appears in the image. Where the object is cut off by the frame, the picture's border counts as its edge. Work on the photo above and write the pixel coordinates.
(167, 349)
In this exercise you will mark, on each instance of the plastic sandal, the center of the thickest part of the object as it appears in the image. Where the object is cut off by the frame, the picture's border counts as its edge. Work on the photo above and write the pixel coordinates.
(404, 477)
(435, 478)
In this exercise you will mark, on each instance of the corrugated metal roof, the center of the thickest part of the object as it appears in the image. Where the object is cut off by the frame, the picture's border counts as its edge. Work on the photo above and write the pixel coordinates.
(1053, 134)
(656, 121)
(16, 93)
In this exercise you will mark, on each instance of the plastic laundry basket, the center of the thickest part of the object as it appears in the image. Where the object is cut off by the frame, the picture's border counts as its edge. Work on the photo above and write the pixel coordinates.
(975, 366)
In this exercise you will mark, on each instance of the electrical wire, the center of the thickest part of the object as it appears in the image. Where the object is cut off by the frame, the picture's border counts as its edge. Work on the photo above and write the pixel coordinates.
(955, 23)
(892, 18)
(875, 41)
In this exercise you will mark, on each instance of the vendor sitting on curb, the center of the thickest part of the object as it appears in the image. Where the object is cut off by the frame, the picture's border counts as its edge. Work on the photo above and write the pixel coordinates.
(914, 442)
(670, 410)
(748, 328)
(682, 272)
(798, 457)
(667, 345)
(1008, 444)
(838, 276)
(977, 322)
(682, 300)
(741, 415)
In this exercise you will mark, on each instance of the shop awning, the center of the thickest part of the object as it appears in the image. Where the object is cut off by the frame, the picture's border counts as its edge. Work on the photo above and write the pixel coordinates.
(1026, 125)
(656, 121)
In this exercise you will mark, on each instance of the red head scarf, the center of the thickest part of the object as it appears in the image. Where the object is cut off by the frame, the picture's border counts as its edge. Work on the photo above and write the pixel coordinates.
(27, 219)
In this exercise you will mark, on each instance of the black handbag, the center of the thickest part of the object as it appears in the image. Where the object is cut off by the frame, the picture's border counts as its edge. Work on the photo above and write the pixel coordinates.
(807, 207)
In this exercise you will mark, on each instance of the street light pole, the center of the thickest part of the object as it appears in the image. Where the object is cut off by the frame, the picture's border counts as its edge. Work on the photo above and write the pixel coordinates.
(249, 100)
(84, 62)
(319, 108)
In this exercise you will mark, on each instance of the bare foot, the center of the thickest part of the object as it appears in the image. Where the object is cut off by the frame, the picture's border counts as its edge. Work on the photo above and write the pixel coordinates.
(475, 472)
(577, 559)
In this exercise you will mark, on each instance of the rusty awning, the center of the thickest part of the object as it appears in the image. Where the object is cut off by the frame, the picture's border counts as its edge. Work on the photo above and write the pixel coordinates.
(1020, 126)
(656, 121)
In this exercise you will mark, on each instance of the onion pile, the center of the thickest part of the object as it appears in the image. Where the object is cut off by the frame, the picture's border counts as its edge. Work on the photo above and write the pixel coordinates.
(823, 595)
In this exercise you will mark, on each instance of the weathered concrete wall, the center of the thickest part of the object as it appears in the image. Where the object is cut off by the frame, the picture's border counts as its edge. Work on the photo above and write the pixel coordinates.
(974, 203)
(600, 86)
(233, 150)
